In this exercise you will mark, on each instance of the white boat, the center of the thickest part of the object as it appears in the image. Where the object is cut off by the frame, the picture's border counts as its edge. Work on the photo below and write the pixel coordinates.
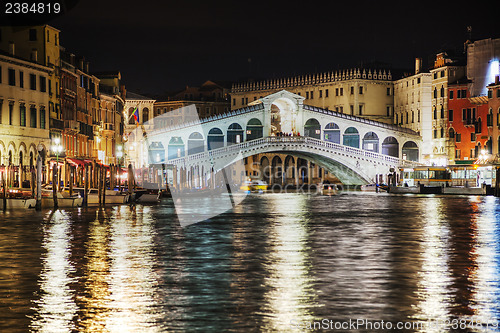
(112, 197)
(64, 200)
(18, 203)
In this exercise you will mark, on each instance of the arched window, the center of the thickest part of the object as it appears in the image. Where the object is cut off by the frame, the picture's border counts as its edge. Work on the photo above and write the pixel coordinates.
(215, 139)
(351, 137)
(331, 133)
(390, 147)
(131, 120)
(145, 115)
(234, 134)
(312, 129)
(196, 143)
(254, 129)
(410, 151)
(370, 142)
(175, 148)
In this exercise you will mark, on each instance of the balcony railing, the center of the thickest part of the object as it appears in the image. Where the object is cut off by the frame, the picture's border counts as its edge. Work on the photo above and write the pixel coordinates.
(56, 124)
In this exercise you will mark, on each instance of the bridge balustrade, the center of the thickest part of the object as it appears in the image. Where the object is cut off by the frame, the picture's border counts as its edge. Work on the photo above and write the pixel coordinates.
(270, 141)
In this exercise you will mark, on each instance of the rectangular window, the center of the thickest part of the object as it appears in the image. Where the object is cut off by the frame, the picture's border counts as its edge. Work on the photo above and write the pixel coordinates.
(21, 79)
(321, 94)
(458, 137)
(326, 93)
(361, 110)
(457, 153)
(307, 94)
(312, 94)
(459, 93)
(234, 99)
(473, 137)
(464, 114)
(43, 84)
(352, 109)
(336, 91)
(451, 94)
(388, 91)
(32, 35)
(32, 81)
(450, 115)
(11, 113)
(464, 93)
(22, 112)
(32, 117)
(352, 90)
(12, 77)
(341, 91)
(361, 90)
(42, 117)
(388, 110)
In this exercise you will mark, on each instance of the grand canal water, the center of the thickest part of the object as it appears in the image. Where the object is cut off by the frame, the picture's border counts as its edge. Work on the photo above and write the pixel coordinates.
(278, 262)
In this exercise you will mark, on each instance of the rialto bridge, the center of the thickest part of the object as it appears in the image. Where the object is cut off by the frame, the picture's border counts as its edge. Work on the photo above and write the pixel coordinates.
(356, 150)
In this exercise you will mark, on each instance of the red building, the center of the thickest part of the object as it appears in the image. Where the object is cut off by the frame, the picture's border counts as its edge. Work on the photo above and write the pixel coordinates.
(469, 121)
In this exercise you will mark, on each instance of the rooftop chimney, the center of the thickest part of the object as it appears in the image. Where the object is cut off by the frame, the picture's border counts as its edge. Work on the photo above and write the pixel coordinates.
(12, 48)
(418, 65)
(34, 55)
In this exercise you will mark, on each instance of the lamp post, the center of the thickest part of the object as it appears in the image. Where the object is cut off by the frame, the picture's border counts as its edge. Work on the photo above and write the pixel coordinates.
(119, 155)
(57, 149)
(39, 166)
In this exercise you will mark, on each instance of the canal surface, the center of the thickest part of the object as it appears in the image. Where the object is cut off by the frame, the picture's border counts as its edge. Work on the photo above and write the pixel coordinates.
(279, 262)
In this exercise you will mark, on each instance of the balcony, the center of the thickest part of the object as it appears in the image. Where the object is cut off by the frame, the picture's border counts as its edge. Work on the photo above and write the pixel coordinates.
(72, 126)
(56, 124)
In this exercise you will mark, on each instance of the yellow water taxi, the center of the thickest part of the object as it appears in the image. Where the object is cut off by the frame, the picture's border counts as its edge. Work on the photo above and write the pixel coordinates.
(254, 186)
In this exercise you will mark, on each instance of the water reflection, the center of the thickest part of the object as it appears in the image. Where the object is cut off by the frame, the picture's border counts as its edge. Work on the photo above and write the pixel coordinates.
(132, 279)
(290, 294)
(56, 307)
(434, 277)
(275, 260)
(484, 274)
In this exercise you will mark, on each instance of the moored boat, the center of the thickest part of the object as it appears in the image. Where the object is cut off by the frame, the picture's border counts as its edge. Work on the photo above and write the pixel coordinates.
(112, 197)
(18, 203)
(64, 200)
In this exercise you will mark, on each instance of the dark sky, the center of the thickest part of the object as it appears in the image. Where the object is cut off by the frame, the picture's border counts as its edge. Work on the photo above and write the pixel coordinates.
(166, 45)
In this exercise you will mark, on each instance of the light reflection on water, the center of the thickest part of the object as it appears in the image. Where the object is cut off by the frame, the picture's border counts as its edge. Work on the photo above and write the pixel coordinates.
(275, 262)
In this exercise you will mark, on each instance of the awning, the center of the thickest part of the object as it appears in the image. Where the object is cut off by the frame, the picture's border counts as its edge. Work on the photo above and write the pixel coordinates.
(75, 162)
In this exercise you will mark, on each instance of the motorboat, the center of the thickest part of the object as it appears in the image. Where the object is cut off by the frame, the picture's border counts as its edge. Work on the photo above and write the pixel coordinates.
(254, 186)
(112, 197)
(327, 189)
(374, 187)
(17, 199)
(64, 200)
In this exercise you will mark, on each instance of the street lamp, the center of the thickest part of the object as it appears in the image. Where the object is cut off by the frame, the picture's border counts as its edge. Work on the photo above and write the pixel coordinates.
(119, 155)
(57, 148)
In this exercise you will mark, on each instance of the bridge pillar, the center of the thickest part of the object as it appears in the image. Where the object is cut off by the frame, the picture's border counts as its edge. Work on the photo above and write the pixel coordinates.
(296, 173)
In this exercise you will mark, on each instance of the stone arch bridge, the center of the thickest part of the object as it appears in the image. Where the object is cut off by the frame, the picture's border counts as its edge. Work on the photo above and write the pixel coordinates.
(355, 149)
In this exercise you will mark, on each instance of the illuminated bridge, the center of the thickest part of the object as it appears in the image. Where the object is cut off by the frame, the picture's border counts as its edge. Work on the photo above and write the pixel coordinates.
(354, 149)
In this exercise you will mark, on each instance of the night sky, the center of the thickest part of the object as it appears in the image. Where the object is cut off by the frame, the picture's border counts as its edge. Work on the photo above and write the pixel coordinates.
(165, 45)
